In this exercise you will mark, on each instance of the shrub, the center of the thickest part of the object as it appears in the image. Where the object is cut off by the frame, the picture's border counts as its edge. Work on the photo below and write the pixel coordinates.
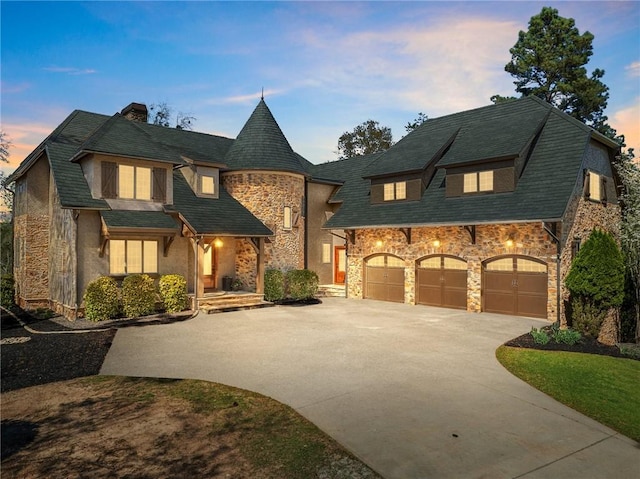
(564, 336)
(539, 336)
(7, 291)
(138, 295)
(101, 299)
(596, 282)
(173, 290)
(273, 285)
(302, 284)
(587, 317)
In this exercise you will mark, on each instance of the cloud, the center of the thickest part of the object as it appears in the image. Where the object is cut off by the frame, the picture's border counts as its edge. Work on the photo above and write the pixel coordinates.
(24, 138)
(70, 70)
(8, 88)
(627, 122)
(448, 65)
(633, 69)
(246, 99)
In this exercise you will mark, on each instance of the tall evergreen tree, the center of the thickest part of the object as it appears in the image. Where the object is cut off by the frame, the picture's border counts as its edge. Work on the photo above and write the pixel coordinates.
(548, 61)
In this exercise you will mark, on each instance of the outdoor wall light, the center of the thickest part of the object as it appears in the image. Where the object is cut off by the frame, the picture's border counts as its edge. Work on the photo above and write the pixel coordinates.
(436, 243)
(218, 243)
(379, 243)
(509, 242)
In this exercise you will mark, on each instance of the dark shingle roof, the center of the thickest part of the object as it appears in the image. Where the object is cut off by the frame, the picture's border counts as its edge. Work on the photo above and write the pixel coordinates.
(542, 191)
(139, 219)
(261, 145)
(223, 216)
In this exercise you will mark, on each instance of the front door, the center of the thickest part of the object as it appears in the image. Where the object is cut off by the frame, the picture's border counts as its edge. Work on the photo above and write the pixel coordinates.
(339, 264)
(210, 267)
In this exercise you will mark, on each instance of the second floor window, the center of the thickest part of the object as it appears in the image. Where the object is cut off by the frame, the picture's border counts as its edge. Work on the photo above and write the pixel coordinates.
(133, 182)
(207, 185)
(479, 181)
(395, 191)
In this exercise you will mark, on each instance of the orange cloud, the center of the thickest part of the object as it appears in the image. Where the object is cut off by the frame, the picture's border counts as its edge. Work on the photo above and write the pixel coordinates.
(24, 138)
(627, 122)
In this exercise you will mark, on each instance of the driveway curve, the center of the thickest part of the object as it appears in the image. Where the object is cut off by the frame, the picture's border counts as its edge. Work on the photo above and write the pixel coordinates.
(413, 391)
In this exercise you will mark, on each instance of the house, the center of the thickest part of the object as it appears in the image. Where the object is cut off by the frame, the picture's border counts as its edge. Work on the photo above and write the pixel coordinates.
(481, 210)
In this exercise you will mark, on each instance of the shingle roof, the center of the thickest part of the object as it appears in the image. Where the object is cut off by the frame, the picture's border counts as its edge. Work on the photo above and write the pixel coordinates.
(261, 145)
(139, 220)
(542, 191)
(223, 216)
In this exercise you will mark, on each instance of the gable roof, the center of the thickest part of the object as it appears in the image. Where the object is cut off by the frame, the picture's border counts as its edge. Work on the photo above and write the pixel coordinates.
(555, 141)
(261, 145)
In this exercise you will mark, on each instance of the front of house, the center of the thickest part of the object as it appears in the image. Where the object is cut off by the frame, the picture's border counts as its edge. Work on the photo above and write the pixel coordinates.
(480, 210)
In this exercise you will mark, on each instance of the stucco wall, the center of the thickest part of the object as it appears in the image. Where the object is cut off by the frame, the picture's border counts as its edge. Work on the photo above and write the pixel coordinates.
(266, 194)
(317, 196)
(530, 239)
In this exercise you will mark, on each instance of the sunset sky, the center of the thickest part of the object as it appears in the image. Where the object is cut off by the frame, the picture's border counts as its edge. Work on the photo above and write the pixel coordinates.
(325, 66)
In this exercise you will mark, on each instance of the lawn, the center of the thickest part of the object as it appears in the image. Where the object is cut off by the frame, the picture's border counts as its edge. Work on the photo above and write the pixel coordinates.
(604, 388)
(104, 426)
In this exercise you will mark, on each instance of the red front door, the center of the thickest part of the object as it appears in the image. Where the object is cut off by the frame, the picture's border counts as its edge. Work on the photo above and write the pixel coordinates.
(339, 264)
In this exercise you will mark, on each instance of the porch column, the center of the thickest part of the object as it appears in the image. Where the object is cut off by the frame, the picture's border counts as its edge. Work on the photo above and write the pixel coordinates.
(260, 265)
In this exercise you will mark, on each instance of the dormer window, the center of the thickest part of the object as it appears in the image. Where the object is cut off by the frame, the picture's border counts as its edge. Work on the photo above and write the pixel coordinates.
(395, 191)
(207, 185)
(478, 182)
(129, 182)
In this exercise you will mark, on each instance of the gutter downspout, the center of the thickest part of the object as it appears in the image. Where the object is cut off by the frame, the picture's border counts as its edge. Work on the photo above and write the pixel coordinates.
(558, 253)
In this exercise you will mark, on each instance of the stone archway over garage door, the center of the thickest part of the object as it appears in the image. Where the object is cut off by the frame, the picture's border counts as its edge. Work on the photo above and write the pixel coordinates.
(384, 278)
(441, 280)
(515, 285)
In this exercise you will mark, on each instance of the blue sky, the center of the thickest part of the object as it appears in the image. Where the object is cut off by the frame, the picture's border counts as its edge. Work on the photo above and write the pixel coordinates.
(325, 66)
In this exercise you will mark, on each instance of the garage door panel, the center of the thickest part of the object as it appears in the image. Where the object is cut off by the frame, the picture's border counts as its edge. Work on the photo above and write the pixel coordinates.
(455, 298)
(384, 282)
(499, 302)
(532, 305)
(455, 279)
(532, 282)
(442, 281)
(498, 281)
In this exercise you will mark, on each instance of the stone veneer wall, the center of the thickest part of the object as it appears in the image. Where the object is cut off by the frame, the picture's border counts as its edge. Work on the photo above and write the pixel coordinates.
(31, 235)
(588, 215)
(265, 194)
(530, 239)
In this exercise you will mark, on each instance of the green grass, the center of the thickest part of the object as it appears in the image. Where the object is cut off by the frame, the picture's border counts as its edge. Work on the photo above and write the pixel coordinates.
(604, 388)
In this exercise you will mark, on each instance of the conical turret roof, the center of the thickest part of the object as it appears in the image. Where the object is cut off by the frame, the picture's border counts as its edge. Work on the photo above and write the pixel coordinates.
(261, 145)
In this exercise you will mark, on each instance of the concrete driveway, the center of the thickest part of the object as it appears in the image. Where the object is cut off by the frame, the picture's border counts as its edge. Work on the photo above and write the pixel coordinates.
(413, 391)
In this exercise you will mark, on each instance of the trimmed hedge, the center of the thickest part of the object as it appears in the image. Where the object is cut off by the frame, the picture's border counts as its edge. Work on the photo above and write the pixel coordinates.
(102, 299)
(173, 290)
(302, 284)
(273, 285)
(138, 295)
(7, 291)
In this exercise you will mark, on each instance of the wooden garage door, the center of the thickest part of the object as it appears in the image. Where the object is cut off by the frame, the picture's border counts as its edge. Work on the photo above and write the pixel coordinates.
(442, 281)
(515, 285)
(384, 278)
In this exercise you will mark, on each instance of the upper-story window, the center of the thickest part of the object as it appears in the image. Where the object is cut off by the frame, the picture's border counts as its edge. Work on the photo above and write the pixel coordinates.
(596, 186)
(207, 185)
(395, 191)
(287, 222)
(479, 181)
(131, 182)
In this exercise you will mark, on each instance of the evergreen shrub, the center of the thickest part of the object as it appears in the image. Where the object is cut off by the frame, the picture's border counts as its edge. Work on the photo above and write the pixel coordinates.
(173, 290)
(596, 282)
(138, 295)
(101, 299)
(7, 291)
(273, 285)
(302, 284)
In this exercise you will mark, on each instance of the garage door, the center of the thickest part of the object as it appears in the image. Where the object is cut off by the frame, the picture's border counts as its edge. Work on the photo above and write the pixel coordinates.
(442, 281)
(515, 285)
(384, 278)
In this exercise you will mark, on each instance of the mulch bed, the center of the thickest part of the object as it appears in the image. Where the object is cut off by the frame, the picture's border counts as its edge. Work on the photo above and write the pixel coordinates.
(585, 345)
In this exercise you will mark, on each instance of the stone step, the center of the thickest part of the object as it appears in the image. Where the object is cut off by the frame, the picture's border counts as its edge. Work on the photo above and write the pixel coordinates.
(232, 302)
(329, 290)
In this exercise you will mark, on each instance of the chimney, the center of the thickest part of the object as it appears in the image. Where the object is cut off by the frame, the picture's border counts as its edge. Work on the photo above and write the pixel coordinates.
(135, 112)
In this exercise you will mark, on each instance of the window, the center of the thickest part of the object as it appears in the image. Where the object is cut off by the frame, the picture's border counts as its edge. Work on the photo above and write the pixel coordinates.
(134, 182)
(326, 253)
(208, 185)
(133, 256)
(595, 190)
(478, 181)
(395, 191)
(286, 224)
